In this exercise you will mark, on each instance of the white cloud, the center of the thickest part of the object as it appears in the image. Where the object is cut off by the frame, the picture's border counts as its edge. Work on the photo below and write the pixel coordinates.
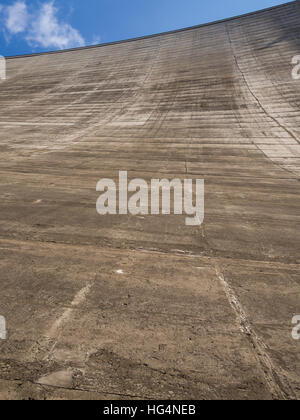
(16, 17)
(47, 31)
(96, 40)
(42, 27)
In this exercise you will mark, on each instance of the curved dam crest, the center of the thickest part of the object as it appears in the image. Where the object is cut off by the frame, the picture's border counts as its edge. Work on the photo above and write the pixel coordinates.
(124, 306)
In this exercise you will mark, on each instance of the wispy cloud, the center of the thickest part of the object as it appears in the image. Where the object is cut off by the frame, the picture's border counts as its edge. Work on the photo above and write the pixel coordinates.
(41, 27)
(96, 40)
(47, 31)
(16, 17)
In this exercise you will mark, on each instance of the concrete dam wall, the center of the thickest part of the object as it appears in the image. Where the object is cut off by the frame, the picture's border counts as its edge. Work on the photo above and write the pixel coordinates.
(144, 306)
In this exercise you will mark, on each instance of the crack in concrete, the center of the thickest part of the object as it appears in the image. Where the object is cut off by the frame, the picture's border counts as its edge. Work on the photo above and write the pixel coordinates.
(277, 382)
(254, 95)
(75, 389)
(54, 333)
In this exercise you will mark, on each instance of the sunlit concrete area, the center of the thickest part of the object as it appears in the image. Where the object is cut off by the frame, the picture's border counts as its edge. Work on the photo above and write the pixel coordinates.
(145, 306)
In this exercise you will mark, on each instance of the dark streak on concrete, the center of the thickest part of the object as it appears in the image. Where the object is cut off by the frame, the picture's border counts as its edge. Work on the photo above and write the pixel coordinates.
(202, 313)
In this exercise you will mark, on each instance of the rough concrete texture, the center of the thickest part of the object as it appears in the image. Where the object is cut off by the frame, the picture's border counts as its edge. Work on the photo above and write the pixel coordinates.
(196, 312)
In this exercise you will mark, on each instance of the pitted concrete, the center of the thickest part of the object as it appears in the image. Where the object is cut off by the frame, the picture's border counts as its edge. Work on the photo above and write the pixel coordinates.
(121, 307)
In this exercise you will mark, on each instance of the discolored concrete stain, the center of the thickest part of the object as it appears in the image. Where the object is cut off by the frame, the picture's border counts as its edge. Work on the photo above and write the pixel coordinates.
(124, 307)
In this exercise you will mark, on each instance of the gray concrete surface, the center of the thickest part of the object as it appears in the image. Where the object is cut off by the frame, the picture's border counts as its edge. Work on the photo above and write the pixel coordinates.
(202, 313)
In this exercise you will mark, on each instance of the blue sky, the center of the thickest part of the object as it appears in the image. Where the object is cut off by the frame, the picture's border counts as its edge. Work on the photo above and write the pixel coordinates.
(28, 26)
